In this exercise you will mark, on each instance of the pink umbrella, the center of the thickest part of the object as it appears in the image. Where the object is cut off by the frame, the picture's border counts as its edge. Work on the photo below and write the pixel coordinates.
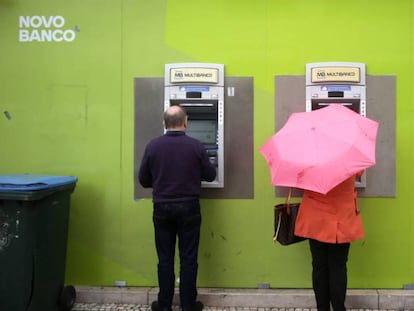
(318, 150)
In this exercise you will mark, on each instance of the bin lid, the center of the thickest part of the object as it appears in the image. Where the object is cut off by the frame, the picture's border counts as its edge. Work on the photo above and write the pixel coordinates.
(25, 182)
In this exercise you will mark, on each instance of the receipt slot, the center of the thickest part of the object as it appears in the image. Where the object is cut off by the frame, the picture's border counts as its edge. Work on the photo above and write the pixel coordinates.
(340, 83)
(199, 88)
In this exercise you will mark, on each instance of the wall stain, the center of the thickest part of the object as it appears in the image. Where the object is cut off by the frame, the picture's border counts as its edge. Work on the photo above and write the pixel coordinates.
(8, 115)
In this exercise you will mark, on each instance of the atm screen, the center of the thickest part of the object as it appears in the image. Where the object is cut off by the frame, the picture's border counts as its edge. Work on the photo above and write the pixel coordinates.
(203, 130)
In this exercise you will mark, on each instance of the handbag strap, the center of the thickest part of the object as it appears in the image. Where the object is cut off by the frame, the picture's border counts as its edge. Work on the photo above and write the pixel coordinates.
(287, 201)
(278, 228)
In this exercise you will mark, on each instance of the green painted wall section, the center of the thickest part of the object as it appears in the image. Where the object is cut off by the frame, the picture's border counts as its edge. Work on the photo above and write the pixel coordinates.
(70, 107)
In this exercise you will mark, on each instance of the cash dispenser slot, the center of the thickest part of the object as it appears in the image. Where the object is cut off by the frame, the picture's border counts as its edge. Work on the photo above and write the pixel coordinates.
(193, 94)
(335, 94)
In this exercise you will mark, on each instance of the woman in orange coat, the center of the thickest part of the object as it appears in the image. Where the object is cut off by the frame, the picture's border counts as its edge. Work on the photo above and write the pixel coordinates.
(330, 222)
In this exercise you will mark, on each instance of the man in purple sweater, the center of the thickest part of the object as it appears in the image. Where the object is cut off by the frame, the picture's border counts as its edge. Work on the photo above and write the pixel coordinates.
(174, 165)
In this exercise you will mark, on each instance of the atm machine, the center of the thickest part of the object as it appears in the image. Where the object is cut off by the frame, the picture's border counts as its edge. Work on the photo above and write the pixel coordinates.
(199, 88)
(339, 83)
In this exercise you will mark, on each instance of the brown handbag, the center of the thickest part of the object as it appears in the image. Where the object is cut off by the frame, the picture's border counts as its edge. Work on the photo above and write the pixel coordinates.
(284, 222)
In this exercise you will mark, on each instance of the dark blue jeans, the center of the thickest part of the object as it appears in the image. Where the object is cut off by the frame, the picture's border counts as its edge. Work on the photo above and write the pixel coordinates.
(329, 274)
(172, 220)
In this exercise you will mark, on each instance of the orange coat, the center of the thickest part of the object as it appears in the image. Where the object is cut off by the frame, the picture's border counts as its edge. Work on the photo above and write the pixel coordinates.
(331, 218)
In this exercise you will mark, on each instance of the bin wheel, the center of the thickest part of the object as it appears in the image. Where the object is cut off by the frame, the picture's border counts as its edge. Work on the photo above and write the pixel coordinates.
(67, 298)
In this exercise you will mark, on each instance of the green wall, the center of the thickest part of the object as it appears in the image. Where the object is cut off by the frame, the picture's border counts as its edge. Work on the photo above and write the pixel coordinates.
(71, 113)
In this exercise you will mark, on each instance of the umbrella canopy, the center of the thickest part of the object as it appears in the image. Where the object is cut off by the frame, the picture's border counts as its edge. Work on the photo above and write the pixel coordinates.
(318, 150)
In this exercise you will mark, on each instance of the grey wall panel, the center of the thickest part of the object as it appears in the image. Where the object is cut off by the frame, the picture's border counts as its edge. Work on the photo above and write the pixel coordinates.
(381, 96)
(238, 141)
(238, 134)
(381, 106)
(149, 107)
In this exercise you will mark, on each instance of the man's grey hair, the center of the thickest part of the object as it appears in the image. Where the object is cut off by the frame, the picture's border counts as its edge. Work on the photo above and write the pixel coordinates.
(174, 117)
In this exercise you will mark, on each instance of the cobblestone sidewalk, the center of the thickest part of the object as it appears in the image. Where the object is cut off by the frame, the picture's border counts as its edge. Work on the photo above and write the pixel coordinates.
(109, 307)
(132, 307)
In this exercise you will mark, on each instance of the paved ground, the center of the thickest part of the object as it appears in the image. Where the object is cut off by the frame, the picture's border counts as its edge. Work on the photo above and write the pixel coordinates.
(109, 307)
(239, 299)
(130, 307)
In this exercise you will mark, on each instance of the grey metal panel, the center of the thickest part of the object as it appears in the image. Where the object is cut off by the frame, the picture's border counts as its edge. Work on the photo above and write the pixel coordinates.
(238, 134)
(381, 97)
(381, 106)
(238, 141)
(149, 107)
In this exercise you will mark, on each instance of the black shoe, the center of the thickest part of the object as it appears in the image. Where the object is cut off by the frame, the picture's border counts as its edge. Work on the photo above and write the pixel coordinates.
(156, 307)
(198, 306)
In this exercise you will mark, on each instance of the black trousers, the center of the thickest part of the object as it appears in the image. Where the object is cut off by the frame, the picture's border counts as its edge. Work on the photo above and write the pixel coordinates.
(172, 220)
(329, 274)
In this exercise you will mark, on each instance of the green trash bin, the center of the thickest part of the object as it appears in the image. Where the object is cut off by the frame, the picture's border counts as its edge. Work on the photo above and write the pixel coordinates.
(34, 214)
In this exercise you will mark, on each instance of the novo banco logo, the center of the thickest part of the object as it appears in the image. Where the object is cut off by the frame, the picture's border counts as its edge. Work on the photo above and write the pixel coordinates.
(45, 29)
